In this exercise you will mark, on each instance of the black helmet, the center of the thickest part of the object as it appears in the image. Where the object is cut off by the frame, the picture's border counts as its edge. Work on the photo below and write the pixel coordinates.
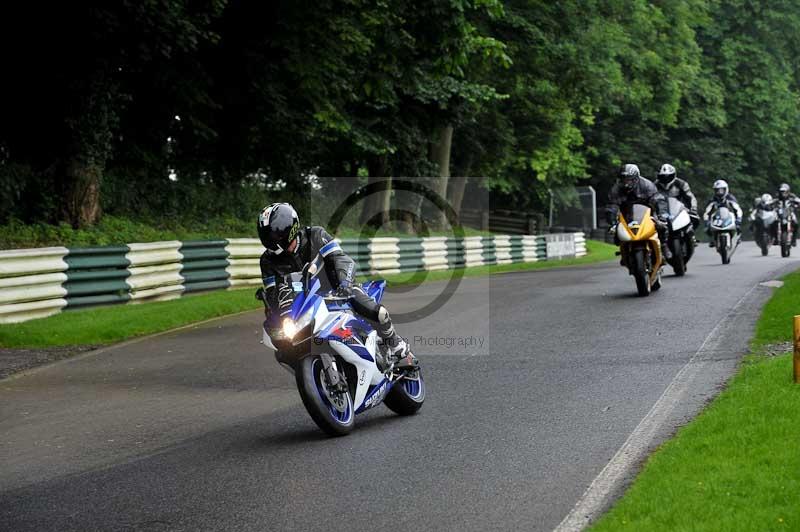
(666, 174)
(783, 191)
(629, 176)
(278, 226)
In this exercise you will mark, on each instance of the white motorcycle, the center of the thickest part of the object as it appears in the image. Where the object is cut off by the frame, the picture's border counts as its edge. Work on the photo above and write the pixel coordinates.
(764, 221)
(337, 360)
(681, 236)
(725, 233)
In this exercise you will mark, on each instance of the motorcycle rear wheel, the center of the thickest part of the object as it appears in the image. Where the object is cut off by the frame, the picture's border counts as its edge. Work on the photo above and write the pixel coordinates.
(406, 397)
(335, 418)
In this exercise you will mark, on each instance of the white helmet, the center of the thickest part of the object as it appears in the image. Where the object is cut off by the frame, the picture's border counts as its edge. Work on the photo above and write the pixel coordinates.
(666, 175)
(766, 198)
(720, 188)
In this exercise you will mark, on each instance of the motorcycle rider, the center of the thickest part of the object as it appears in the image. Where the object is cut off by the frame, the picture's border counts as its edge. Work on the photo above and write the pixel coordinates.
(785, 194)
(632, 188)
(671, 186)
(289, 248)
(721, 198)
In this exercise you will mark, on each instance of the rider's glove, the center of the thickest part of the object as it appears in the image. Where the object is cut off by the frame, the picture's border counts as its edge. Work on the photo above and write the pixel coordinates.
(664, 217)
(344, 290)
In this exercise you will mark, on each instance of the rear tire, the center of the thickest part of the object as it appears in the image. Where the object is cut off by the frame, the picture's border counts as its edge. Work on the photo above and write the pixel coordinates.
(311, 384)
(406, 396)
(678, 262)
(640, 273)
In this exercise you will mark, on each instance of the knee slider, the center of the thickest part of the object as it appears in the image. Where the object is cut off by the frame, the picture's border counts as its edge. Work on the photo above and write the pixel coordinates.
(383, 315)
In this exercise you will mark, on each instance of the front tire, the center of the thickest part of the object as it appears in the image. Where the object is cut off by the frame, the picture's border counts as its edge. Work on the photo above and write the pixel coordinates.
(640, 273)
(678, 262)
(406, 397)
(722, 247)
(786, 245)
(332, 412)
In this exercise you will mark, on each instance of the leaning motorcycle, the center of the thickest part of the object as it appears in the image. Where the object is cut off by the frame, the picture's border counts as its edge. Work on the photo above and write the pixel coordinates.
(786, 223)
(340, 367)
(725, 233)
(640, 249)
(681, 236)
(764, 220)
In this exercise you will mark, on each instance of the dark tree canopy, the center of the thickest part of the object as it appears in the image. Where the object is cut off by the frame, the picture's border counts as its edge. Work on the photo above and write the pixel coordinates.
(168, 108)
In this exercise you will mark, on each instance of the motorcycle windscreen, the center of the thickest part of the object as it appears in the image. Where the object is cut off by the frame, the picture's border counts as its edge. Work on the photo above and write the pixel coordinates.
(675, 207)
(640, 213)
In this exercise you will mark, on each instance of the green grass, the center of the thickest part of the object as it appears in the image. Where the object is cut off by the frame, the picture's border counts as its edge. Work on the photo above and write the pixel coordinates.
(737, 466)
(107, 325)
(775, 324)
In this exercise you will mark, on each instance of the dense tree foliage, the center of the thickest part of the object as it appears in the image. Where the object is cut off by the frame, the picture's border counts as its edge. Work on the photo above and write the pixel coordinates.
(171, 108)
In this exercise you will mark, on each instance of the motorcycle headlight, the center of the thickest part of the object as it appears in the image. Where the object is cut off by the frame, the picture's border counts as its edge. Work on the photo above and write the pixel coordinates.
(289, 328)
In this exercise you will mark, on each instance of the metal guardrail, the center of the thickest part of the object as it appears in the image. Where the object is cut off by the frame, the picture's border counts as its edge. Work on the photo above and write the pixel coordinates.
(35, 283)
(502, 221)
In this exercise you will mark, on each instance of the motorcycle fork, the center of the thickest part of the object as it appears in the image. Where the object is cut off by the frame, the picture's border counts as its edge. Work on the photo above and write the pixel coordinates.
(335, 379)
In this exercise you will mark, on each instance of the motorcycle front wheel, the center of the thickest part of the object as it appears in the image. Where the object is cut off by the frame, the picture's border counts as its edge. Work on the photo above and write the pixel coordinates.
(678, 261)
(332, 411)
(640, 273)
(722, 247)
(786, 244)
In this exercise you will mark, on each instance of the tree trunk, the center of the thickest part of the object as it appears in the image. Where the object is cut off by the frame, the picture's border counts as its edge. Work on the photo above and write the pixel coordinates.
(375, 211)
(82, 194)
(440, 155)
(455, 193)
(89, 148)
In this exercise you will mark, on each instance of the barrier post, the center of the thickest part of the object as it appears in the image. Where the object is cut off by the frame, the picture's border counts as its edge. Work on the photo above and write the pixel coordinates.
(796, 350)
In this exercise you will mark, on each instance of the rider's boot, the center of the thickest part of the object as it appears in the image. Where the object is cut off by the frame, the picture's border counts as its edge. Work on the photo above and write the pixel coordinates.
(394, 346)
(665, 251)
(398, 352)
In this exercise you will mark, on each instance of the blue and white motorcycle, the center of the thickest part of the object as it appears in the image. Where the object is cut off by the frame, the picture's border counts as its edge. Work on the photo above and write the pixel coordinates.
(725, 233)
(339, 364)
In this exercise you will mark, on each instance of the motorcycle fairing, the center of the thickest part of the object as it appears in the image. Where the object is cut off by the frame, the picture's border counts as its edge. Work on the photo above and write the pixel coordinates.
(645, 233)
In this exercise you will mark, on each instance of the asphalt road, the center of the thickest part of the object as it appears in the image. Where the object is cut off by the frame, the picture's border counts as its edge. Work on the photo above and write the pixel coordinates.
(534, 381)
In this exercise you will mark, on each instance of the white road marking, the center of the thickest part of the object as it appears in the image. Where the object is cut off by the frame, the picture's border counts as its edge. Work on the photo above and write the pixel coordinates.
(594, 499)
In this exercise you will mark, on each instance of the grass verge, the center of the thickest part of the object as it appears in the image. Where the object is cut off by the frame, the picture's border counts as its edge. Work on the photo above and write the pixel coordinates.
(736, 466)
(107, 325)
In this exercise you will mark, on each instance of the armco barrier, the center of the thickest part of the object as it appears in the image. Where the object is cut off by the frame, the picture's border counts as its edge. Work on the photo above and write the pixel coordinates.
(35, 283)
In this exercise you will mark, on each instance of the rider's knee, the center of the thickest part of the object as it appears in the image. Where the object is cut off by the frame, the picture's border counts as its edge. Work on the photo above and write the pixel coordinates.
(383, 315)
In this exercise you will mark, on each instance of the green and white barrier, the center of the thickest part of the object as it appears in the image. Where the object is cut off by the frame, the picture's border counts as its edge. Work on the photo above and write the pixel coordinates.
(35, 283)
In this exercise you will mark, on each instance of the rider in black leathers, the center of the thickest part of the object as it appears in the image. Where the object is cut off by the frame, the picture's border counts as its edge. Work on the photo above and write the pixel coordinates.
(289, 248)
(672, 186)
(785, 195)
(632, 188)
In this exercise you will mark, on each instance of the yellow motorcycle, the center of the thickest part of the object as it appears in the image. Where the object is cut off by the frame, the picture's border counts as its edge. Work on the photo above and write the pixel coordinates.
(640, 249)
